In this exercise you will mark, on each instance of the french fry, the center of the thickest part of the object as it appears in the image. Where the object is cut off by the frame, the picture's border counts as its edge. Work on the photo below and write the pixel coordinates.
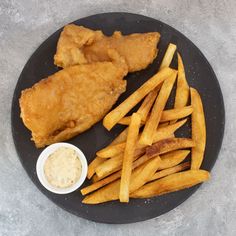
(95, 178)
(98, 161)
(138, 178)
(140, 161)
(132, 138)
(107, 193)
(182, 87)
(112, 177)
(198, 130)
(144, 108)
(115, 150)
(126, 121)
(155, 116)
(146, 172)
(167, 145)
(111, 151)
(171, 159)
(114, 164)
(168, 56)
(116, 143)
(120, 111)
(175, 114)
(110, 166)
(160, 134)
(167, 115)
(169, 171)
(166, 161)
(147, 103)
(171, 183)
(165, 132)
(167, 129)
(100, 184)
(93, 165)
(163, 124)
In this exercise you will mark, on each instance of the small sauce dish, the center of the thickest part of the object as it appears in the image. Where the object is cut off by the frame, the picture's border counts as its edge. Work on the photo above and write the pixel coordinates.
(59, 170)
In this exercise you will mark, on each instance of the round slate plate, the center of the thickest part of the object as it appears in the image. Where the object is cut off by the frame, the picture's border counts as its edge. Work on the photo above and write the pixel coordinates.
(199, 74)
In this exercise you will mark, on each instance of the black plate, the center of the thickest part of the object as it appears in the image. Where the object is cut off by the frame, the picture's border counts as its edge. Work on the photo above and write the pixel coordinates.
(199, 74)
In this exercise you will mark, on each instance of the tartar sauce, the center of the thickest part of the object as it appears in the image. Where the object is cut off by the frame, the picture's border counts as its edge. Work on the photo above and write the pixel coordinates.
(63, 168)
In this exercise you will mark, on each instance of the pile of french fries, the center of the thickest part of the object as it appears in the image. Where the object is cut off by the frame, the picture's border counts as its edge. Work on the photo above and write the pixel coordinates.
(146, 159)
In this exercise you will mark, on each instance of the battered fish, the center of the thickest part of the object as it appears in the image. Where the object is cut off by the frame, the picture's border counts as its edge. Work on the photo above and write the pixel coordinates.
(80, 45)
(72, 100)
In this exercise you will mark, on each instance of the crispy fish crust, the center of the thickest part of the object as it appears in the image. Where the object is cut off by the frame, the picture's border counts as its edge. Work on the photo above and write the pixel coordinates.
(72, 100)
(80, 45)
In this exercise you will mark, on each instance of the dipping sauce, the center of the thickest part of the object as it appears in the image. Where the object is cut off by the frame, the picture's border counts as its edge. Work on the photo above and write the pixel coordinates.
(63, 168)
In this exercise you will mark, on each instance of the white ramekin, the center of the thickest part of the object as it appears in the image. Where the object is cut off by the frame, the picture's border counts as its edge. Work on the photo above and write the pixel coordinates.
(40, 168)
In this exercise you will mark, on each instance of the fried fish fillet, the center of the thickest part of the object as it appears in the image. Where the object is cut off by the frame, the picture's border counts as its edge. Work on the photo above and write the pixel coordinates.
(80, 45)
(72, 100)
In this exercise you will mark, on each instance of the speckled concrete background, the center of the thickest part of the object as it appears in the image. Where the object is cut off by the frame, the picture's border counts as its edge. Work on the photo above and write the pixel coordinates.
(211, 25)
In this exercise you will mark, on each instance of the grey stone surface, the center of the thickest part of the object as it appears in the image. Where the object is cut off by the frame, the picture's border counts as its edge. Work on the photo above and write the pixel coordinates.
(211, 25)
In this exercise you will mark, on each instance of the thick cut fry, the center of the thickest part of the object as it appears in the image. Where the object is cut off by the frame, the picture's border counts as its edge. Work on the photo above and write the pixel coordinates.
(126, 121)
(140, 161)
(167, 160)
(168, 56)
(98, 161)
(170, 129)
(93, 165)
(145, 174)
(175, 114)
(147, 103)
(171, 170)
(111, 191)
(120, 111)
(198, 130)
(116, 143)
(117, 149)
(167, 145)
(161, 133)
(100, 183)
(173, 158)
(165, 163)
(117, 174)
(132, 138)
(167, 131)
(95, 178)
(155, 116)
(172, 183)
(163, 124)
(110, 166)
(182, 89)
(107, 193)
(114, 164)
(111, 151)
(138, 178)
(167, 115)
